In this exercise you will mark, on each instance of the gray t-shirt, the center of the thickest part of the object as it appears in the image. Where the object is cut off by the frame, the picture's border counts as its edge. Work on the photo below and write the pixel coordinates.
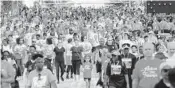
(7, 71)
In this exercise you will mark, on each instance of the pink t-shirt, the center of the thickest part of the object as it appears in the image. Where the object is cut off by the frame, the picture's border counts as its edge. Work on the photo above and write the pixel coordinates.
(87, 70)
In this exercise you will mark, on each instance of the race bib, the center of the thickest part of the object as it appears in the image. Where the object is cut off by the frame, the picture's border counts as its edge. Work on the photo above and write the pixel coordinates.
(39, 83)
(127, 61)
(115, 69)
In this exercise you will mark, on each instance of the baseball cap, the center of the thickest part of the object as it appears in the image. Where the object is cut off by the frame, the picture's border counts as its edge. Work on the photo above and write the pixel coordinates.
(170, 63)
(126, 46)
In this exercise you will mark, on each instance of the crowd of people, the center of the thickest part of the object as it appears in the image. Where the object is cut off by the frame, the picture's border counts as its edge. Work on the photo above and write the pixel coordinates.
(128, 47)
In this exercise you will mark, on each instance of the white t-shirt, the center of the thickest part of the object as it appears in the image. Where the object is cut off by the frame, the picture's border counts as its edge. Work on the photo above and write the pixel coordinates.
(48, 50)
(68, 51)
(140, 41)
(69, 36)
(20, 49)
(7, 48)
(28, 38)
(93, 38)
(87, 47)
(152, 39)
(15, 37)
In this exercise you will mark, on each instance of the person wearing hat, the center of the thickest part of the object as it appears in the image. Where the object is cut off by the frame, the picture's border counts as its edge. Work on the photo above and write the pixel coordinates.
(171, 77)
(129, 60)
(116, 72)
(146, 71)
(165, 67)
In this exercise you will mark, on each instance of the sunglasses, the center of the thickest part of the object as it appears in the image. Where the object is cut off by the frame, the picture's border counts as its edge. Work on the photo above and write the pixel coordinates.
(165, 70)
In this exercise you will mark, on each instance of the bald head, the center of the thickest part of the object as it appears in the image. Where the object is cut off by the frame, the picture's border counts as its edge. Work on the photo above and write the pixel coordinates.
(171, 48)
(148, 45)
(148, 49)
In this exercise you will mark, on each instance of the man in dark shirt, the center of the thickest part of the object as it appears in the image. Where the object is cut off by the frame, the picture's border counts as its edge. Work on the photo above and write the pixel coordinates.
(117, 72)
(129, 59)
(76, 59)
(59, 59)
(164, 82)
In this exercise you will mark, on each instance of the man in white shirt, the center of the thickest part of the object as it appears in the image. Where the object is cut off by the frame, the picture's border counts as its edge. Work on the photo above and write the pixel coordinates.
(70, 35)
(171, 50)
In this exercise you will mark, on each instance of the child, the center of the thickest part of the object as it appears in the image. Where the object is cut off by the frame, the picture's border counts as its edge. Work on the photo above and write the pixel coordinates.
(117, 73)
(87, 66)
(68, 58)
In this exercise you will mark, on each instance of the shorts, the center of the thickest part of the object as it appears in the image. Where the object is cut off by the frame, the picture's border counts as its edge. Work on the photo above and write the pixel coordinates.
(98, 67)
(89, 79)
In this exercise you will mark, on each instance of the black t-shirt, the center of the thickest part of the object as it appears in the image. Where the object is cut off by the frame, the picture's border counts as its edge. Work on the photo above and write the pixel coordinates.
(59, 53)
(30, 66)
(111, 48)
(132, 58)
(116, 73)
(76, 53)
(130, 61)
(161, 84)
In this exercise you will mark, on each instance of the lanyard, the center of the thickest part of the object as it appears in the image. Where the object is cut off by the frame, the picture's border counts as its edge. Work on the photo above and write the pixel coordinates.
(126, 56)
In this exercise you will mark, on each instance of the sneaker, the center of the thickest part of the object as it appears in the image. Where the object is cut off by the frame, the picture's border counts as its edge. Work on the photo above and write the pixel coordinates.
(71, 76)
(100, 83)
(67, 77)
(58, 82)
(62, 78)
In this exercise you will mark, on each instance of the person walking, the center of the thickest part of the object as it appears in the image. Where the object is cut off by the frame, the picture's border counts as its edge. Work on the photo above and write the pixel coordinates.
(146, 71)
(59, 59)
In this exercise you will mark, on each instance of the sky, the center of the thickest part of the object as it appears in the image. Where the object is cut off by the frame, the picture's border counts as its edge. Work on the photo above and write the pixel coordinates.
(86, 3)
